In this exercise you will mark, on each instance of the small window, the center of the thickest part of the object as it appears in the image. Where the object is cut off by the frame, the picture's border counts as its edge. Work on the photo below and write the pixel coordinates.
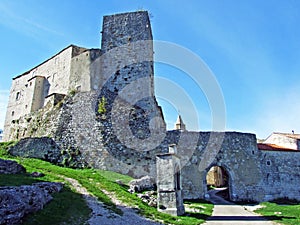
(268, 163)
(18, 96)
(53, 77)
(12, 113)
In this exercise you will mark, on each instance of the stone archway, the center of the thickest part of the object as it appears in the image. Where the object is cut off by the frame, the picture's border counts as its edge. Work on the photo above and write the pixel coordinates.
(218, 177)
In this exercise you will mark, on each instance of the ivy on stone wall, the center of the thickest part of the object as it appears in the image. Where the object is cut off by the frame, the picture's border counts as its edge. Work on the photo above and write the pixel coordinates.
(101, 105)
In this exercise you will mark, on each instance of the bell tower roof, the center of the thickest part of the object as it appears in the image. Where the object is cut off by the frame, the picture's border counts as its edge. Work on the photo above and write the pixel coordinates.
(179, 125)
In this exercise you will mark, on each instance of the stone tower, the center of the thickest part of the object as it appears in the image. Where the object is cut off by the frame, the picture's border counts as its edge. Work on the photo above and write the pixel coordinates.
(127, 50)
(128, 85)
(179, 125)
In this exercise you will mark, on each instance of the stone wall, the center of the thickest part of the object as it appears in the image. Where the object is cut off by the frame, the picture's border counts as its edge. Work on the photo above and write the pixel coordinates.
(235, 152)
(253, 174)
(41, 123)
(81, 77)
(281, 174)
(95, 136)
(29, 90)
(75, 126)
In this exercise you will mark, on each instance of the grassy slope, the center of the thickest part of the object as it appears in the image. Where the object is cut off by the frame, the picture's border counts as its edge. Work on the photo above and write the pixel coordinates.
(68, 206)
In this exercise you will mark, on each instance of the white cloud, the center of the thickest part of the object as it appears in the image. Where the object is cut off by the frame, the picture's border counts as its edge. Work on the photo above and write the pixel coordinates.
(4, 94)
(15, 21)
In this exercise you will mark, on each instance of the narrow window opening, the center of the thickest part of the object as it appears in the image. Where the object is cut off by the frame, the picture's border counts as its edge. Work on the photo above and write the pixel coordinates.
(18, 96)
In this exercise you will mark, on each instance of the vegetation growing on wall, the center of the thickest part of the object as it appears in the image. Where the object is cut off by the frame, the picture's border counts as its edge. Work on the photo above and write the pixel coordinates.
(72, 92)
(71, 157)
(101, 105)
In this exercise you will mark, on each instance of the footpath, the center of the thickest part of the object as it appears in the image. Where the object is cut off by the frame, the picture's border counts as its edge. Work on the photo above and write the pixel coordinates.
(225, 212)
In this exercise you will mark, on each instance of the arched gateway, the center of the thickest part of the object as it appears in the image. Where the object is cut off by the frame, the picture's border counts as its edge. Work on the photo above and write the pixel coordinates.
(218, 177)
(237, 159)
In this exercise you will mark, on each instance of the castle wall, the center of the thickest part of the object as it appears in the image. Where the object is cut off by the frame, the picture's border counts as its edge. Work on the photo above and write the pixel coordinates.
(19, 99)
(81, 78)
(235, 152)
(38, 96)
(121, 29)
(57, 72)
(127, 46)
(29, 90)
(255, 175)
(281, 174)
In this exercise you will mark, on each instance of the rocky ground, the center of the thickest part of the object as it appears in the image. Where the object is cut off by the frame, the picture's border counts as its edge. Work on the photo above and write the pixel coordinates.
(16, 202)
(102, 215)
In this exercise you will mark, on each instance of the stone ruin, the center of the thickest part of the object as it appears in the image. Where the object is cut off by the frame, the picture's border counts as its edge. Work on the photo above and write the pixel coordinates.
(97, 108)
(169, 195)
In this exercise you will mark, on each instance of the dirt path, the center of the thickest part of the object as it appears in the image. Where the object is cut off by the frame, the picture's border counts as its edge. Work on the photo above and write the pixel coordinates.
(228, 213)
(103, 216)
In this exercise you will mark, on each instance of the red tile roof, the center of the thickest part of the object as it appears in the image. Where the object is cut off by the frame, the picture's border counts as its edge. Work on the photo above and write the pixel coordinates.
(273, 147)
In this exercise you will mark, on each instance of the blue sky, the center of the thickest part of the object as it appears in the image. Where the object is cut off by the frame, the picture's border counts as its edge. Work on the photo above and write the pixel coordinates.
(252, 47)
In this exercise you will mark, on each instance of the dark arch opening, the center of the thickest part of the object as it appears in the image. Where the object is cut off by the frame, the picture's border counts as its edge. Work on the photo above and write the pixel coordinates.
(218, 178)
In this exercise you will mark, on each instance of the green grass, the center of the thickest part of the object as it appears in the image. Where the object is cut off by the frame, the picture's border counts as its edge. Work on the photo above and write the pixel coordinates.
(69, 206)
(66, 205)
(283, 214)
(203, 208)
(115, 176)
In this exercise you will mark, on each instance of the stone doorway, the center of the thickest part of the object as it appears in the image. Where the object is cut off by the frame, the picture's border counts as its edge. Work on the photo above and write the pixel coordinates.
(218, 178)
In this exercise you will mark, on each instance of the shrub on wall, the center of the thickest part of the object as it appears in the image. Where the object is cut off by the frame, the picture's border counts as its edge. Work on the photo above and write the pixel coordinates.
(101, 105)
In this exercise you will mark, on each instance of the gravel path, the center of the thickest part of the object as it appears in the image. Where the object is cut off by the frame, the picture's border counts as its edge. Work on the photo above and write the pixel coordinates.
(103, 216)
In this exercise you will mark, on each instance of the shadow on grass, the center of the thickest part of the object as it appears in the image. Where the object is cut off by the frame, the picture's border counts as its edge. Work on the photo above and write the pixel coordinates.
(199, 216)
(248, 218)
(202, 206)
(66, 207)
(17, 179)
(285, 201)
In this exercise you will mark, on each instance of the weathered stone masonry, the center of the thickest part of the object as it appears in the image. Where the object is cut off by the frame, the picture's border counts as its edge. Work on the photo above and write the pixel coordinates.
(54, 108)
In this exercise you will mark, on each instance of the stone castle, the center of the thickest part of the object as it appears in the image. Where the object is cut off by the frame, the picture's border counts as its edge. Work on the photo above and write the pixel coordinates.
(97, 108)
